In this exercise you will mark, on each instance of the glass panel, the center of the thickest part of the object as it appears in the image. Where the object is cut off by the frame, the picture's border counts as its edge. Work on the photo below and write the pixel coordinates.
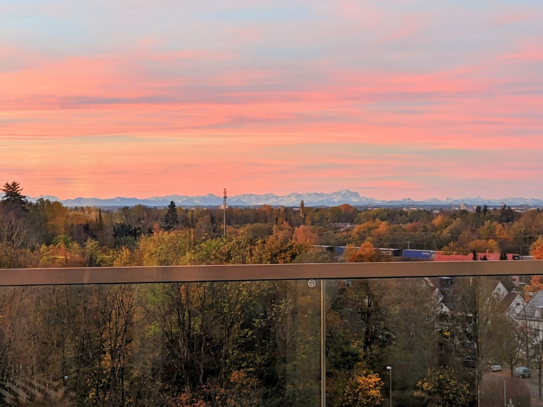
(433, 342)
(198, 344)
(464, 341)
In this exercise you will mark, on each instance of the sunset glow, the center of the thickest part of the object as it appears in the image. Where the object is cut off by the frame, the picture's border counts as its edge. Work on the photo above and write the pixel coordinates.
(390, 99)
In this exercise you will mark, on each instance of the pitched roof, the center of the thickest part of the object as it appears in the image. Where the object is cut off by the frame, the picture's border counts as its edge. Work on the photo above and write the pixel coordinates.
(507, 301)
(535, 304)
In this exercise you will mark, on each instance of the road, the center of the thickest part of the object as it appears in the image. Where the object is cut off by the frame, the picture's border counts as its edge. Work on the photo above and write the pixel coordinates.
(532, 384)
(534, 391)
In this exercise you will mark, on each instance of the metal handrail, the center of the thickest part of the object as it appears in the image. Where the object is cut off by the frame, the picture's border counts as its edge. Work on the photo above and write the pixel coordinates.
(260, 272)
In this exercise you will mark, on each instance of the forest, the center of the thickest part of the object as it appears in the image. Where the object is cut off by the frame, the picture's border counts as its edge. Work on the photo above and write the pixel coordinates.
(48, 234)
(258, 344)
(241, 344)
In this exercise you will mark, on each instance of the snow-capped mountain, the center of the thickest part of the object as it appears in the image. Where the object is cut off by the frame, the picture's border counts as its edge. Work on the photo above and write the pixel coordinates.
(293, 199)
(310, 199)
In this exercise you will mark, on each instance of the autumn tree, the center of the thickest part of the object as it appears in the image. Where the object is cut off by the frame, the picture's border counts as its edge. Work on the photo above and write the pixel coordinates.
(366, 253)
(536, 284)
(476, 324)
(304, 235)
(164, 248)
(536, 249)
(314, 256)
(441, 388)
(511, 340)
(17, 234)
(482, 246)
(62, 253)
(364, 390)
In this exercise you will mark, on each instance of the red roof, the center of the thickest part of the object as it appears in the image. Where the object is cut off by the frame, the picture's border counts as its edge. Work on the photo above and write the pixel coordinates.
(469, 257)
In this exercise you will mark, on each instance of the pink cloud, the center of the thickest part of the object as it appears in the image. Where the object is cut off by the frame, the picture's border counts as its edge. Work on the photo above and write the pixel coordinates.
(153, 117)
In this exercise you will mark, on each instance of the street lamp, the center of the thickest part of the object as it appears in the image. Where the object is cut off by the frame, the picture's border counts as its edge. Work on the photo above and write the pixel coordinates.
(389, 368)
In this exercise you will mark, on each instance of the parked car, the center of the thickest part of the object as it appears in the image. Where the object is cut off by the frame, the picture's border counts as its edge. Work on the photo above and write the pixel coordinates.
(496, 368)
(469, 361)
(522, 372)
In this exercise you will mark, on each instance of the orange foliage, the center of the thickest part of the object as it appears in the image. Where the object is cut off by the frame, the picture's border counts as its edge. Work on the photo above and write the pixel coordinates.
(382, 230)
(187, 400)
(346, 208)
(413, 227)
(538, 253)
(364, 390)
(536, 284)
(366, 253)
(304, 235)
(537, 249)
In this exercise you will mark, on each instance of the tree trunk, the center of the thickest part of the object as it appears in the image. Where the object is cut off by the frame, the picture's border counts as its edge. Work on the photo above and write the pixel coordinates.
(539, 380)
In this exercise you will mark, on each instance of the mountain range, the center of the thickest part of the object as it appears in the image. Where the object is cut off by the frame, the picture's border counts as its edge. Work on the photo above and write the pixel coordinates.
(293, 199)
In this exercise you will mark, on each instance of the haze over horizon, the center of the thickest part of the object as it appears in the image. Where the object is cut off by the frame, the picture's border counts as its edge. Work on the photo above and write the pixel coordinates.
(293, 199)
(395, 99)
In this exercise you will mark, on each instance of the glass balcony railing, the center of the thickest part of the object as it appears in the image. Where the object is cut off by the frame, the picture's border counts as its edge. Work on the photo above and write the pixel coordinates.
(341, 335)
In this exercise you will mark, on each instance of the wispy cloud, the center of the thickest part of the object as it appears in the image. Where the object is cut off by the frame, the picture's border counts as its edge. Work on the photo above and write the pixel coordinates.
(131, 97)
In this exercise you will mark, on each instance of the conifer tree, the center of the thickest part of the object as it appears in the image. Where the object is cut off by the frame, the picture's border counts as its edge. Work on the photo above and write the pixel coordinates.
(171, 219)
(13, 194)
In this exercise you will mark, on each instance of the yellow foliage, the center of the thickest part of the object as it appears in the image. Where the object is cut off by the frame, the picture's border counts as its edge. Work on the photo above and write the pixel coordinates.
(441, 386)
(482, 246)
(502, 233)
(489, 229)
(363, 390)
(441, 222)
(364, 228)
(164, 248)
(124, 258)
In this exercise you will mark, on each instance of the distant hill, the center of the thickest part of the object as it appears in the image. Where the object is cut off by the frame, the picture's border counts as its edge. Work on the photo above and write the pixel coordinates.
(293, 199)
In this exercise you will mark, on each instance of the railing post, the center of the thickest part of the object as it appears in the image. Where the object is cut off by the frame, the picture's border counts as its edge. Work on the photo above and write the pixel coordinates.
(323, 344)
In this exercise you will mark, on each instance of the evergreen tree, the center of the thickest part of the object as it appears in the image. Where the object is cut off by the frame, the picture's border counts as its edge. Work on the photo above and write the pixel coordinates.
(13, 194)
(171, 219)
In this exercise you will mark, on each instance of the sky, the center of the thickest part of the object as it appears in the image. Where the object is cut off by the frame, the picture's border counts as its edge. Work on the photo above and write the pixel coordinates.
(392, 99)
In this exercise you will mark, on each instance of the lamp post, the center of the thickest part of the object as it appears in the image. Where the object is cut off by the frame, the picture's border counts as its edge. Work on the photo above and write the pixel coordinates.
(389, 368)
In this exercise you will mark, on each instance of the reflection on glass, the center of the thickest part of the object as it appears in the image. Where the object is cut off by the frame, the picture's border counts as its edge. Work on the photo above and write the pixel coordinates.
(431, 342)
(199, 344)
(470, 341)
